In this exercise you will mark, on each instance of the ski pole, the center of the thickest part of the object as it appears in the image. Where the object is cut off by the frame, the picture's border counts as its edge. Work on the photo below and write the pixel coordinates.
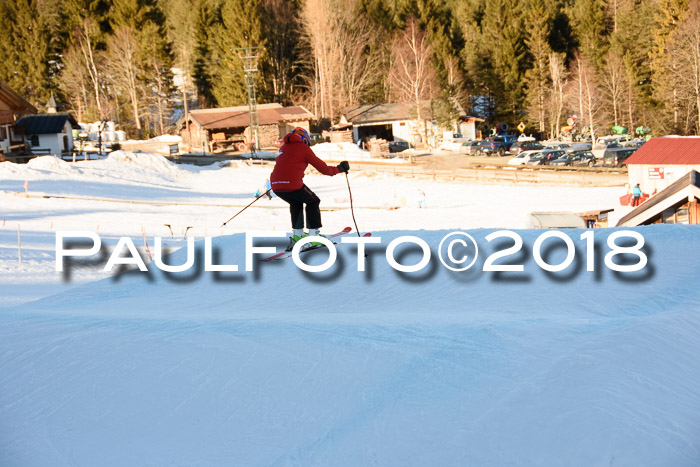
(245, 207)
(352, 210)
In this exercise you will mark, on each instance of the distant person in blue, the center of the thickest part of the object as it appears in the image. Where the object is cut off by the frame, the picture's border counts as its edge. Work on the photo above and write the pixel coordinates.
(268, 188)
(637, 193)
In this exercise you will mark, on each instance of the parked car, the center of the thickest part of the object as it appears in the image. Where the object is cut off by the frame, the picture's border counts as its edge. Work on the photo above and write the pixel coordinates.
(563, 146)
(636, 144)
(616, 157)
(522, 158)
(471, 148)
(520, 146)
(316, 138)
(577, 147)
(398, 146)
(600, 149)
(497, 144)
(545, 157)
(584, 158)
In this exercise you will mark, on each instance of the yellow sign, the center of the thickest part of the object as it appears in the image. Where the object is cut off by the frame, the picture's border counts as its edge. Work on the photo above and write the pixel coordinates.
(521, 127)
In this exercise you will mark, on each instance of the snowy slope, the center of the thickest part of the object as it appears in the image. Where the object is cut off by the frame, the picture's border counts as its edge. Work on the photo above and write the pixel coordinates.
(360, 369)
(343, 368)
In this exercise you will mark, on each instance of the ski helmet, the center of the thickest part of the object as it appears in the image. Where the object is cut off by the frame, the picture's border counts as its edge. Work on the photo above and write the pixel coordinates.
(303, 134)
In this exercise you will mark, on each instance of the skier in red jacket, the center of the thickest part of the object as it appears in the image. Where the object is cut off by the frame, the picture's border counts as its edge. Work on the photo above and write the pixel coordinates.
(287, 182)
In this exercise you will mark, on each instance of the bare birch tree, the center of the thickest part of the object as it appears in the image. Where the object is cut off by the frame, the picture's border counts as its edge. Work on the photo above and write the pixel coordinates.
(73, 81)
(613, 81)
(412, 77)
(583, 93)
(344, 56)
(121, 54)
(558, 74)
(684, 61)
(85, 40)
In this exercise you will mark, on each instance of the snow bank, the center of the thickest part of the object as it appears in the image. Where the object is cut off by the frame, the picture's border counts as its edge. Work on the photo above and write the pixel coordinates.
(50, 164)
(144, 161)
(336, 152)
(166, 139)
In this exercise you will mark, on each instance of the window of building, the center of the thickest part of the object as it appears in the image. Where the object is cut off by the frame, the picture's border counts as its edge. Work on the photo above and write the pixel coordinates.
(3, 133)
(35, 140)
(669, 216)
(682, 215)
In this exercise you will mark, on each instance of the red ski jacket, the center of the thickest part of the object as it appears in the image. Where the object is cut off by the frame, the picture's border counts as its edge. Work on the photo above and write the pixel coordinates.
(291, 163)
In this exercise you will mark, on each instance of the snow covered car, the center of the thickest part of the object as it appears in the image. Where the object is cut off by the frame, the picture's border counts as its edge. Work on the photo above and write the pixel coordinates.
(522, 158)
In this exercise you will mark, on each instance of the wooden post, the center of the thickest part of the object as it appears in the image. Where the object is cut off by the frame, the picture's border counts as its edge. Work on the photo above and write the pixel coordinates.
(694, 212)
(19, 246)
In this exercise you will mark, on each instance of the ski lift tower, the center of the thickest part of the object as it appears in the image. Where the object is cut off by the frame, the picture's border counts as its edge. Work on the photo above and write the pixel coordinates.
(249, 56)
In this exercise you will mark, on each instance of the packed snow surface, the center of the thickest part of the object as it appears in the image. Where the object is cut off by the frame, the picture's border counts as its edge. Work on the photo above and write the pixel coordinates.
(281, 367)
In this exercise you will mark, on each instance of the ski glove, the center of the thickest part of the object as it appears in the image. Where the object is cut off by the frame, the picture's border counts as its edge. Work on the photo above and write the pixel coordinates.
(343, 166)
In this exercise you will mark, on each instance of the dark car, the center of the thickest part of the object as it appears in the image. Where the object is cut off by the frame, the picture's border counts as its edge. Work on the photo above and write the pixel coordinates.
(545, 157)
(583, 158)
(616, 157)
(316, 138)
(471, 148)
(398, 146)
(521, 146)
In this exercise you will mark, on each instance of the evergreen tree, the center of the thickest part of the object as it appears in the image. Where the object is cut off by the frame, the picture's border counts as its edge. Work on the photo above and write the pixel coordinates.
(238, 26)
(592, 26)
(503, 33)
(204, 54)
(538, 27)
(25, 50)
(663, 69)
(283, 30)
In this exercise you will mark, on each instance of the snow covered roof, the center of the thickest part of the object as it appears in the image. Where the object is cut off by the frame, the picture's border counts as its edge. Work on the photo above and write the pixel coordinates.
(556, 220)
(46, 124)
(365, 114)
(668, 151)
(238, 117)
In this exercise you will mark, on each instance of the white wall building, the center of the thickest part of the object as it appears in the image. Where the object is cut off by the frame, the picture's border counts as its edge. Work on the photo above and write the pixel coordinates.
(49, 133)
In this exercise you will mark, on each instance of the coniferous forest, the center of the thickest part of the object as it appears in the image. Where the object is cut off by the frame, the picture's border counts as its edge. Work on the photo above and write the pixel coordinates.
(631, 63)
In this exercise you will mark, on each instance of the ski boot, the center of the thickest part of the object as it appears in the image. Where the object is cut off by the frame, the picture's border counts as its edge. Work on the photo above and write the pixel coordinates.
(313, 245)
(293, 240)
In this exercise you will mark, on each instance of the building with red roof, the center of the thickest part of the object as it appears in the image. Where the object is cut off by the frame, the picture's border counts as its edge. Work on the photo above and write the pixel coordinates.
(668, 169)
(662, 161)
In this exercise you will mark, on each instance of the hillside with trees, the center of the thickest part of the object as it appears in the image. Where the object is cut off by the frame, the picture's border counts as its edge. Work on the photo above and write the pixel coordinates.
(617, 62)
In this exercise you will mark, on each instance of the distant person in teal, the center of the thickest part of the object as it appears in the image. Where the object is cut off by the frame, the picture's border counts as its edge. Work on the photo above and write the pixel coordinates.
(421, 199)
(268, 188)
(636, 193)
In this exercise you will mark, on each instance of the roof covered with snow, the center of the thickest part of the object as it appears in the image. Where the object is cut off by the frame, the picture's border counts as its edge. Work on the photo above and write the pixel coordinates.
(239, 117)
(375, 113)
(668, 151)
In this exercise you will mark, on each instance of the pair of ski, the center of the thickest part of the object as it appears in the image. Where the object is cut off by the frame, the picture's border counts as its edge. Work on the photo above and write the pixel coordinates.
(288, 254)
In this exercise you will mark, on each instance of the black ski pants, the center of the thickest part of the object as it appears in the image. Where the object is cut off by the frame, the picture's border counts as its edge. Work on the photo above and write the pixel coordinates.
(297, 199)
